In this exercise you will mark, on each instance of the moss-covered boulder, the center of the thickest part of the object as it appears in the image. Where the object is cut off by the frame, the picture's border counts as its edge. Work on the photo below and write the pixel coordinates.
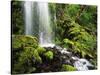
(25, 53)
(19, 41)
(68, 68)
(41, 50)
(49, 55)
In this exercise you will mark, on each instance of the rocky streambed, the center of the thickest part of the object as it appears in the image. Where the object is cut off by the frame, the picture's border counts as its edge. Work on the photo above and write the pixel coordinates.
(63, 56)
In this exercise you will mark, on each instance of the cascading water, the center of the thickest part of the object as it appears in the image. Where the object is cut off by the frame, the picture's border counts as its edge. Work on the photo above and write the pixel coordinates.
(45, 29)
(82, 64)
(28, 10)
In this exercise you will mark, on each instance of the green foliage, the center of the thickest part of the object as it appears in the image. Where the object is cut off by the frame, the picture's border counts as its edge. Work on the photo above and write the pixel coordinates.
(17, 17)
(33, 69)
(94, 62)
(82, 41)
(25, 60)
(37, 57)
(76, 35)
(29, 55)
(41, 50)
(88, 15)
(52, 8)
(49, 55)
(24, 41)
(68, 68)
(72, 10)
(67, 41)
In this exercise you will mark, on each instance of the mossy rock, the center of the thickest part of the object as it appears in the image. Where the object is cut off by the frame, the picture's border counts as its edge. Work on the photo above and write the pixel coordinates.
(32, 70)
(31, 54)
(36, 56)
(19, 41)
(49, 55)
(27, 53)
(28, 57)
(68, 68)
(41, 50)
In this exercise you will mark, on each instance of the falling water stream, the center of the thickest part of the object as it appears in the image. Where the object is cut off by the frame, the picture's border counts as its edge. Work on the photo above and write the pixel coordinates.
(45, 29)
(28, 10)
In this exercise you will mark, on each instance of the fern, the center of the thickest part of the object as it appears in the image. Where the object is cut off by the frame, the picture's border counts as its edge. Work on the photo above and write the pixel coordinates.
(81, 41)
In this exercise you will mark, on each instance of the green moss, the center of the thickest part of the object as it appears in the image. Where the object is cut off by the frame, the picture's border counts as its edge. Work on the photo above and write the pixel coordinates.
(32, 70)
(26, 60)
(41, 50)
(19, 41)
(49, 55)
(36, 56)
(27, 53)
(68, 68)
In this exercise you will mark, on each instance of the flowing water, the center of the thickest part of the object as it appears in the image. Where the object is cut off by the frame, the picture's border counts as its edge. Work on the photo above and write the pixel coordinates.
(28, 11)
(44, 22)
(45, 29)
(82, 64)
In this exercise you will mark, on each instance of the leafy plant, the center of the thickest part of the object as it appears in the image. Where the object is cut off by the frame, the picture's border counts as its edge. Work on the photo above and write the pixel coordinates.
(82, 41)
(24, 41)
(17, 17)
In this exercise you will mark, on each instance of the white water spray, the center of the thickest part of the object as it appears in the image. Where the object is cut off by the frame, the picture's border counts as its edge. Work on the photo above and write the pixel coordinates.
(28, 11)
(45, 29)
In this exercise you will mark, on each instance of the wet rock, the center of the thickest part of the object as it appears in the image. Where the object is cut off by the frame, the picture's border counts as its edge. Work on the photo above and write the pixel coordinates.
(74, 58)
(82, 64)
(64, 51)
(67, 57)
(67, 62)
(58, 47)
(91, 67)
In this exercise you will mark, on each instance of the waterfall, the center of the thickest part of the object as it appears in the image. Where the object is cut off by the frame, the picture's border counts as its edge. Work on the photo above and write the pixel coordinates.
(28, 11)
(44, 23)
(45, 29)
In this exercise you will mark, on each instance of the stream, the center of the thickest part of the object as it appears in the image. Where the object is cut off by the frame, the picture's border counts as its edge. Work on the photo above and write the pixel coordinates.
(81, 64)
